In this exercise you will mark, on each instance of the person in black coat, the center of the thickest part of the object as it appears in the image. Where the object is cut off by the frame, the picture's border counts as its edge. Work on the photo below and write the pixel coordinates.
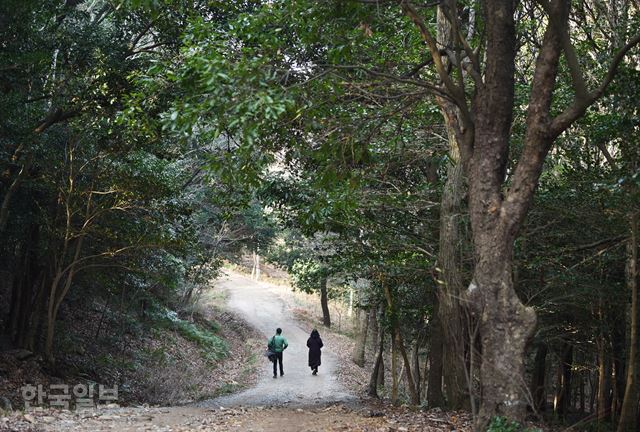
(314, 343)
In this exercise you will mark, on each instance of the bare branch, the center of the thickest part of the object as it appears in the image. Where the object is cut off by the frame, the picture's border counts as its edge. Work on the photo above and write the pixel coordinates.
(418, 83)
(575, 69)
(456, 92)
(56, 116)
(561, 122)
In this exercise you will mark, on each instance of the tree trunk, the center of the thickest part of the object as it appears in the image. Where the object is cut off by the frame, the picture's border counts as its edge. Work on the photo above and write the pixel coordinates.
(16, 295)
(324, 302)
(375, 374)
(592, 391)
(26, 302)
(398, 345)
(450, 252)
(581, 390)
(537, 380)
(618, 341)
(361, 341)
(373, 327)
(628, 414)
(381, 371)
(413, 394)
(563, 390)
(415, 363)
(505, 328)
(434, 386)
(604, 381)
(6, 201)
(497, 213)
(37, 314)
(56, 297)
(257, 266)
(394, 370)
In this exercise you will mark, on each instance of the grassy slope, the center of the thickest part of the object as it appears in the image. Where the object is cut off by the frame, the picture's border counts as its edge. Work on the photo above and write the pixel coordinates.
(159, 358)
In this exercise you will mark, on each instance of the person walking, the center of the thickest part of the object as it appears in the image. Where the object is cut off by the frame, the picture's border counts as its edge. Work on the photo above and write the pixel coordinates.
(315, 344)
(277, 344)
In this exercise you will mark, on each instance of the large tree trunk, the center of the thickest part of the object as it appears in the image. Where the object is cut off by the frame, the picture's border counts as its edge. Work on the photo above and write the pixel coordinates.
(628, 414)
(506, 325)
(37, 315)
(324, 302)
(483, 134)
(450, 251)
(434, 385)
(361, 341)
(505, 328)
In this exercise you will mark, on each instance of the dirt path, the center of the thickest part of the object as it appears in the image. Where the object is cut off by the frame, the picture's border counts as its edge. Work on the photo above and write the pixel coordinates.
(261, 305)
(188, 419)
(298, 401)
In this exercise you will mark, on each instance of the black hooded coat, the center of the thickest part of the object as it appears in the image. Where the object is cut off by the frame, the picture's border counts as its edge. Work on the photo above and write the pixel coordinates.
(314, 343)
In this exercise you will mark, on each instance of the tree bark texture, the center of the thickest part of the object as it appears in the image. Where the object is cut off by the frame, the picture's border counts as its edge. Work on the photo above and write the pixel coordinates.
(506, 325)
(452, 244)
(378, 366)
(361, 341)
(435, 397)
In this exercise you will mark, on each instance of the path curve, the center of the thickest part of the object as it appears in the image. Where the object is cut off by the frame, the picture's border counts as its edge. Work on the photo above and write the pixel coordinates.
(262, 306)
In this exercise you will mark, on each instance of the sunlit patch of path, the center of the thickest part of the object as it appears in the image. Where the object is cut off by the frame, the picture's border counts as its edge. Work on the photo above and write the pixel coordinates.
(261, 305)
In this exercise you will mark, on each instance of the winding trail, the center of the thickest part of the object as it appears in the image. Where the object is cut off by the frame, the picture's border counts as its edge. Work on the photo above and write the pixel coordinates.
(261, 305)
(296, 402)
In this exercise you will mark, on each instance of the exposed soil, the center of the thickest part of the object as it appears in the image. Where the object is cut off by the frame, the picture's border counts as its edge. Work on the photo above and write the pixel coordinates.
(261, 306)
(298, 401)
(256, 419)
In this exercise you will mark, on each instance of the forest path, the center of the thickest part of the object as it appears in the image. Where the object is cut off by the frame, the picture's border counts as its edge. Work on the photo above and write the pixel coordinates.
(296, 402)
(261, 304)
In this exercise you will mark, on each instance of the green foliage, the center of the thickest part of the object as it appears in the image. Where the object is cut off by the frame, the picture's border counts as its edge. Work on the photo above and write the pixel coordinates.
(306, 275)
(159, 138)
(213, 347)
(502, 424)
(87, 162)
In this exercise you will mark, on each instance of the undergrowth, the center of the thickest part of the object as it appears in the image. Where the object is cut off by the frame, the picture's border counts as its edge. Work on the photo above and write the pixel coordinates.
(213, 347)
(502, 424)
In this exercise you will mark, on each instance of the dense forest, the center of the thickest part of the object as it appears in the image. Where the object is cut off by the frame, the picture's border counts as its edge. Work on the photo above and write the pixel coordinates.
(465, 173)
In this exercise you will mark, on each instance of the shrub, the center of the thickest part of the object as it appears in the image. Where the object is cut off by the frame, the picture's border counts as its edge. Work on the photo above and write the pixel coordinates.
(502, 424)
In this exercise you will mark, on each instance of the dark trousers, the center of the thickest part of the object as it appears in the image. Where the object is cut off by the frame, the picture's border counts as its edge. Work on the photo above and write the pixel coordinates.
(277, 359)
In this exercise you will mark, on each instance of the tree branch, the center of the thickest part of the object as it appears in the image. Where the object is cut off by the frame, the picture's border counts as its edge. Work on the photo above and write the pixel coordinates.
(561, 122)
(56, 116)
(456, 92)
(537, 142)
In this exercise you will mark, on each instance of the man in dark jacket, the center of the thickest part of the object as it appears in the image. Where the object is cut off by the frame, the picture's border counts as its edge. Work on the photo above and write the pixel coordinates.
(315, 344)
(277, 344)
